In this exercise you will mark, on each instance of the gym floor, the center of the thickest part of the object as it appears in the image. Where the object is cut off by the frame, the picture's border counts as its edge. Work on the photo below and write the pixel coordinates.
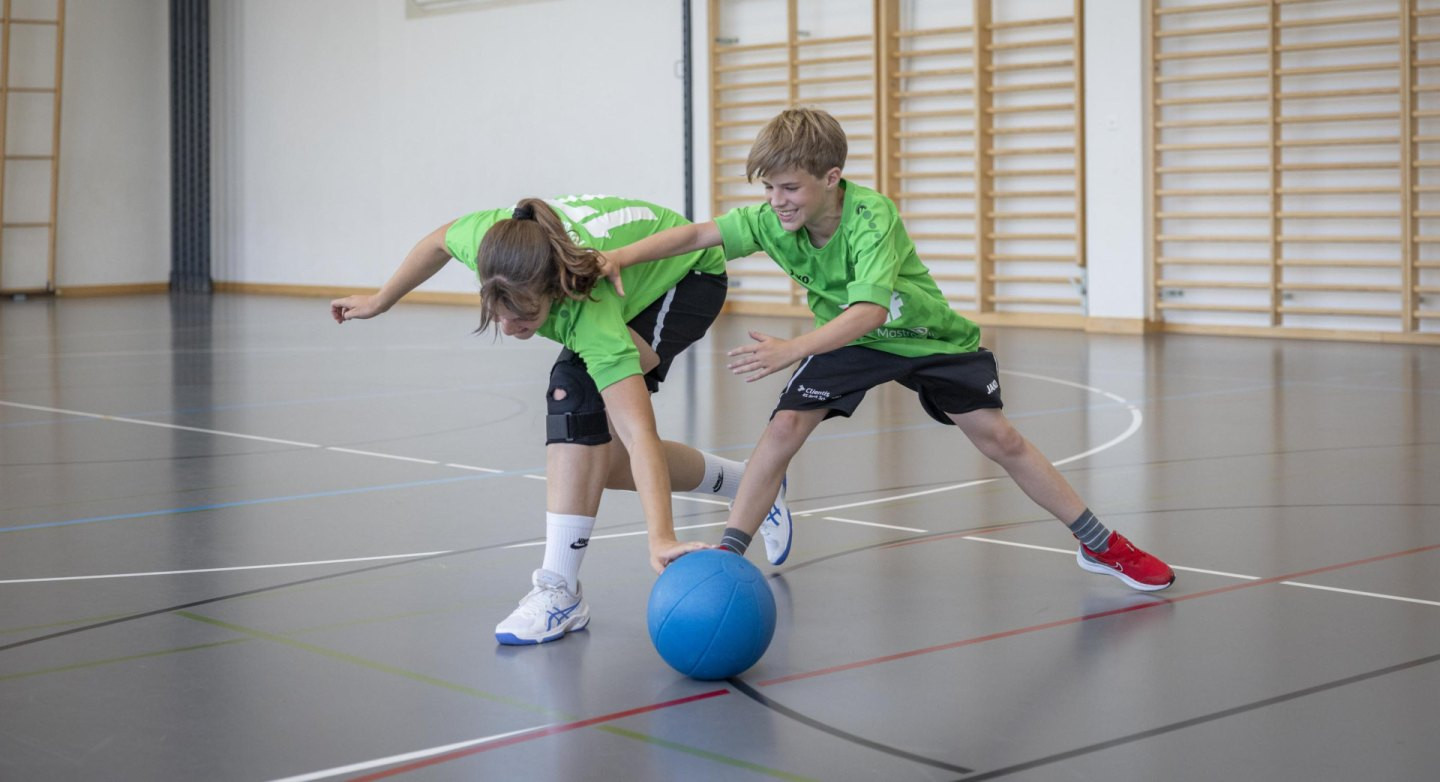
(240, 542)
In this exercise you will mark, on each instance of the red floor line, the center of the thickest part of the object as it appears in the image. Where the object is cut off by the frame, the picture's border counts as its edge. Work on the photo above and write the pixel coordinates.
(1100, 615)
(555, 729)
(550, 731)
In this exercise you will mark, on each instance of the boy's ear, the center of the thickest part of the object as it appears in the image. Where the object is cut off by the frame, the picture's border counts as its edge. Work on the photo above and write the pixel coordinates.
(832, 178)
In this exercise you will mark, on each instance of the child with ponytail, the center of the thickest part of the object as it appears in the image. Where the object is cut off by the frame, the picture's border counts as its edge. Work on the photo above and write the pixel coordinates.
(539, 271)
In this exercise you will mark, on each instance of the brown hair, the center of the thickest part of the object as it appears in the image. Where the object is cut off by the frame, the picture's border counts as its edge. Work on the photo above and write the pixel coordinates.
(804, 138)
(529, 258)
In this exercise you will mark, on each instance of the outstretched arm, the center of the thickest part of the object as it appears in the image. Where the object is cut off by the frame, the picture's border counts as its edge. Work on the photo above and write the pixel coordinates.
(772, 354)
(423, 261)
(628, 403)
(667, 244)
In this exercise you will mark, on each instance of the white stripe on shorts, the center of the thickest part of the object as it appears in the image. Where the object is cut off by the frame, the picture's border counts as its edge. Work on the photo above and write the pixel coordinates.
(796, 374)
(660, 320)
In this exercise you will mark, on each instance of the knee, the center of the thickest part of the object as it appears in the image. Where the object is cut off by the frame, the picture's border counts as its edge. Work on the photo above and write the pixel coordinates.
(1002, 443)
(788, 428)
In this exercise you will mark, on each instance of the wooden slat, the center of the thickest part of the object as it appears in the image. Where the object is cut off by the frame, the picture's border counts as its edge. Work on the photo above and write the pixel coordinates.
(1320, 70)
(1020, 151)
(1212, 215)
(835, 60)
(754, 85)
(940, 153)
(1326, 94)
(1043, 43)
(1249, 51)
(1212, 169)
(1034, 257)
(1216, 284)
(1029, 66)
(1375, 116)
(1041, 300)
(1364, 166)
(1337, 215)
(1353, 43)
(752, 66)
(1340, 142)
(939, 93)
(838, 39)
(1211, 7)
(749, 47)
(1212, 191)
(1186, 306)
(1331, 311)
(1036, 87)
(1325, 21)
(1171, 261)
(1339, 239)
(1338, 287)
(1043, 22)
(1035, 109)
(1228, 29)
(1218, 238)
(1212, 146)
(1338, 190)
(1217, 76)
(933, 31)
(921, 73)
(1032, 129)
(1211, 100)
(905, 54)
(1033, 215)
(1030, 193)
(1342, 263)
(1019, 173)
(1214, 123)
(1013, 236)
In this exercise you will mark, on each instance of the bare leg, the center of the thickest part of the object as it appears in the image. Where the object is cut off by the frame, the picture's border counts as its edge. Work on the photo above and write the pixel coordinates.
(687, 466)
(1003, 444)
(783, 436)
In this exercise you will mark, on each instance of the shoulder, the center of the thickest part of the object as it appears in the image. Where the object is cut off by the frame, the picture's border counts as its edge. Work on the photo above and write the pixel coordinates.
(868, 209)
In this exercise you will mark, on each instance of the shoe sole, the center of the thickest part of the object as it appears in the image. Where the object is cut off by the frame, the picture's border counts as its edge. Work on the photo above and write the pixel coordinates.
(510, 639)
(1097, 567)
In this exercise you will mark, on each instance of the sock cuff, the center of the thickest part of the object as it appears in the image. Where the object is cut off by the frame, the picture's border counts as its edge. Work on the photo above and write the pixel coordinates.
(570, 521)
(722, 476)
(736, 540)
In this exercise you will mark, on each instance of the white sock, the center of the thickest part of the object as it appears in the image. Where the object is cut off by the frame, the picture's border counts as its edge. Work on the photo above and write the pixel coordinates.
(566, 538)
(722, 476)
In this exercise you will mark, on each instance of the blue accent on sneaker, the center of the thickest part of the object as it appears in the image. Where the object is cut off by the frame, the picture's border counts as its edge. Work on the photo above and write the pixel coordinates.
(775, 517)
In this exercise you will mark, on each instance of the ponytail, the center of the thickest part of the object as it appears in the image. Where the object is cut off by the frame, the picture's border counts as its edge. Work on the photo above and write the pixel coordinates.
(529, 258)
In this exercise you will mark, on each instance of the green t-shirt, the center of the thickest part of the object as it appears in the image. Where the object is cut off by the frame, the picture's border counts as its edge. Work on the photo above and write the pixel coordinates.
(596, 328)
(870, 258)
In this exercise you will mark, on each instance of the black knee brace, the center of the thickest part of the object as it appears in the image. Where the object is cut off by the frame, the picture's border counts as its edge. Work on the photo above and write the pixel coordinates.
(580, 417)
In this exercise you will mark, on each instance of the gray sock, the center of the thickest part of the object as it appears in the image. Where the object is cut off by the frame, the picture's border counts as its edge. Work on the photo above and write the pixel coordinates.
(1090, 532)
(735, 540)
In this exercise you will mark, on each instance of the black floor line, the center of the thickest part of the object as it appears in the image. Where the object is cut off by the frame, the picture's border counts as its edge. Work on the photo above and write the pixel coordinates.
(260, 590)
(1193, 721)
(761, 699)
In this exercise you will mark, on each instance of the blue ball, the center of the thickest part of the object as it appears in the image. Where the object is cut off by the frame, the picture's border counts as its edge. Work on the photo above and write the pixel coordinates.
(711, 614)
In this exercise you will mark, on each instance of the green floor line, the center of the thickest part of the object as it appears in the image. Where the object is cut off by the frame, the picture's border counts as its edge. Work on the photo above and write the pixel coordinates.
(376, 665)
(729, 761)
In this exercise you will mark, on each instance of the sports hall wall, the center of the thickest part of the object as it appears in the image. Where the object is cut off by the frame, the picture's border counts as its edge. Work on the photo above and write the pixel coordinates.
(346, 129)
(113, 197)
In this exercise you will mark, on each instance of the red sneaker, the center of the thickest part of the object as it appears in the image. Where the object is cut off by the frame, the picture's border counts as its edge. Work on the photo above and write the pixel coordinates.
(1129, 564)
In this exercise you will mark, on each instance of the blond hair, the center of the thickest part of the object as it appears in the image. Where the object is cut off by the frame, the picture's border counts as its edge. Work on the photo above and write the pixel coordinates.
(804, 138)
(528, 259)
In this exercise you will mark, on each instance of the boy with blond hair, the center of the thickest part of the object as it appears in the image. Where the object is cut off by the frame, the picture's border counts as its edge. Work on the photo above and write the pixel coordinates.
(879, 316)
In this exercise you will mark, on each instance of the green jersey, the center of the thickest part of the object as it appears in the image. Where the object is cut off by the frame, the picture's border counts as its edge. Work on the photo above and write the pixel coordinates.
(595, 328)
(870, 258)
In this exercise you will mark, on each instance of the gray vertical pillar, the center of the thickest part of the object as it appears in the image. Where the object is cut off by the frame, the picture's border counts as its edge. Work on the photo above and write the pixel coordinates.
(190, 146)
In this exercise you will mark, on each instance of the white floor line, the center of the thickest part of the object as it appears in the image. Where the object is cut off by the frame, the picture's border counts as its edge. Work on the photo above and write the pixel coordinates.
(614, 535)
(1071, 552)
(408, 756)
(380, 455)
(893, 498)
(473, 467)
(1363, 594)
(225, 569)
(872, 524)
(157, 424)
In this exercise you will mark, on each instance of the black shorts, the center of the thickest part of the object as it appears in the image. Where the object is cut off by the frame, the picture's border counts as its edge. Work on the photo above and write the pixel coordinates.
(953, 383)
(673, 322)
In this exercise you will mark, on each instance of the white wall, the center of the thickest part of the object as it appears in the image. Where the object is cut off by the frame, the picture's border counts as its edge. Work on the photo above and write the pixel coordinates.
(350, 131)
(114, 204)
(346, 131)
(1115, 198)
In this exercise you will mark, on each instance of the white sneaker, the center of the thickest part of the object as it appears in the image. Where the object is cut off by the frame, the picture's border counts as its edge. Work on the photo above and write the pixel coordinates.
(546, 614)
(777, 529)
